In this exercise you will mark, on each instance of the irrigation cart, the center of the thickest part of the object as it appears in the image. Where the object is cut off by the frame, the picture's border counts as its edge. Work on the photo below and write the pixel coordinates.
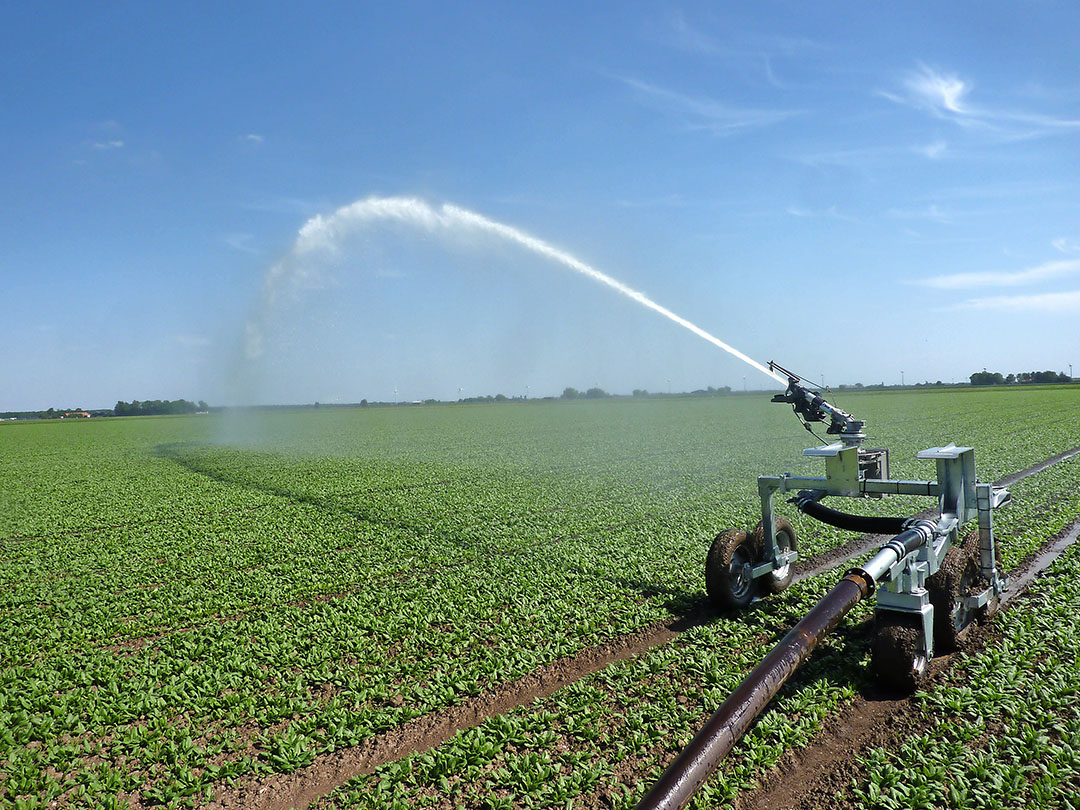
(933, 579)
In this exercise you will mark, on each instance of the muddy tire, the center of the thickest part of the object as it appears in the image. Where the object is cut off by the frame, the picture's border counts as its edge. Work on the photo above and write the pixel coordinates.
(777, 580)
(949, 588)
(959, 576)
(727, 570)
(898, 654)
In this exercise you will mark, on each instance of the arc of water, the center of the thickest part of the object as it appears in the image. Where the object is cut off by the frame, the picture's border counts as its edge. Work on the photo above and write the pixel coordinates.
(324, 232)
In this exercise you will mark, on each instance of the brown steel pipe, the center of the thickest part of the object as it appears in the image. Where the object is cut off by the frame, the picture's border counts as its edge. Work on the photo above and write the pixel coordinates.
(701, 757)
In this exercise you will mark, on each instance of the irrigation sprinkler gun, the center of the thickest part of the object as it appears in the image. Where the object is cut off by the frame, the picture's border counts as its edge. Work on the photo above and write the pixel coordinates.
(932, 583)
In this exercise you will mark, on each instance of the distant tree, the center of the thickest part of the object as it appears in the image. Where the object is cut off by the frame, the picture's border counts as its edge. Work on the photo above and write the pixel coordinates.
(640, 392)
(500, 398)
(1010, 379)
(570, 393)
(153, 407)
(363, 403)
(596, 393)
(987, 378)
(1043, 377)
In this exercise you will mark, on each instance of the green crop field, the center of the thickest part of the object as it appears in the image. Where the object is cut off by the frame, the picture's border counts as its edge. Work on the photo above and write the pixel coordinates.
(189, 605)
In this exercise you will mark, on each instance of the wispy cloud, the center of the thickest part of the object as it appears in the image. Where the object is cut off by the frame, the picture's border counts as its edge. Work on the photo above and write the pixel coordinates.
(1063, 245)
(1055, 303)
(662, 201)
(746, 52)
(832, 212)
(931, 212)
(704, 113)
(858, 159)
(192, 341)
(110, 144)
(946, 96)
(937, 92)
(1014, 278)
(934, 151)
(241, 242)
(679, 33)
(252, 137)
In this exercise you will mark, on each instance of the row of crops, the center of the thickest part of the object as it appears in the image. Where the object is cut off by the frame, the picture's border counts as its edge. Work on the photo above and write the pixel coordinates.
(185, 602)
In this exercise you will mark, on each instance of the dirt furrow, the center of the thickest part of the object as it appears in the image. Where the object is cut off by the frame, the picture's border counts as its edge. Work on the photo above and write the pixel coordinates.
(297, 789)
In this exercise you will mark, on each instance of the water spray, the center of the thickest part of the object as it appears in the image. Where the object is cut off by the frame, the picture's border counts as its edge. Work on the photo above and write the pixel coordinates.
(324, 234)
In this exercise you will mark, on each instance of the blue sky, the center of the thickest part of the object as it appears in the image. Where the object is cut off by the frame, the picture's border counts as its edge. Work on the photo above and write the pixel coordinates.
(854, 190)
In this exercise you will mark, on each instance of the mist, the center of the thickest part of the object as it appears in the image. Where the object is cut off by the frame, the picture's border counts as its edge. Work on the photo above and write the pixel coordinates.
(390, 299)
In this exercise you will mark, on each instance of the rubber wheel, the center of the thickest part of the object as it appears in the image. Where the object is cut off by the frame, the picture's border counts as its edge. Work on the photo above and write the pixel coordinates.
(957, 578)
(898, 654)
(727, 570)
(779, 578)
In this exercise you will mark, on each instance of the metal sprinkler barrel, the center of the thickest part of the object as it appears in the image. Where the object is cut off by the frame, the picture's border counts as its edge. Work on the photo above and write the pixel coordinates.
(688, 772)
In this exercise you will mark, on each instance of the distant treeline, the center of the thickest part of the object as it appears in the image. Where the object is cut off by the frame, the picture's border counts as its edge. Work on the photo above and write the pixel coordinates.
(55, 413)
(1023, 378)
(600, 393)
(157, 407)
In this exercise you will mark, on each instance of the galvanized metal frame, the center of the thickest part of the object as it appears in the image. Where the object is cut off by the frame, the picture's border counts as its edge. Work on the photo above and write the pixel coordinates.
(961, 498)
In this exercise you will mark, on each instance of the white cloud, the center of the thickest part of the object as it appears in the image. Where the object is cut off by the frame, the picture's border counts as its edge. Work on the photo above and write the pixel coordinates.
(931, 212)
(661, 201)
(252, 137)
(240, 241)
(937, 90)
(934, 150)
(1063, 245)
(192, 341)
(701, 112)
(1058, 302)
(945, 95)
(1042, 272)
(110, 144)
(684, 36)
(829, 213)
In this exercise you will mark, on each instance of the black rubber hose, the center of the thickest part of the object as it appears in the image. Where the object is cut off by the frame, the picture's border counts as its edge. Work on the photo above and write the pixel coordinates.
(852, 523)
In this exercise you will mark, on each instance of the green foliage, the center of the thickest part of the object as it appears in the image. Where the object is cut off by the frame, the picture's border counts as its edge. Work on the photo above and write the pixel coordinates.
(1024, 377)
(176, 612)
(158, 407)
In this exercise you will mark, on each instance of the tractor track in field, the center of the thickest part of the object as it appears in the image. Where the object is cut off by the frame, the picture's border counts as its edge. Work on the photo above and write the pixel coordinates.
(825, 765)
(810, 778)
